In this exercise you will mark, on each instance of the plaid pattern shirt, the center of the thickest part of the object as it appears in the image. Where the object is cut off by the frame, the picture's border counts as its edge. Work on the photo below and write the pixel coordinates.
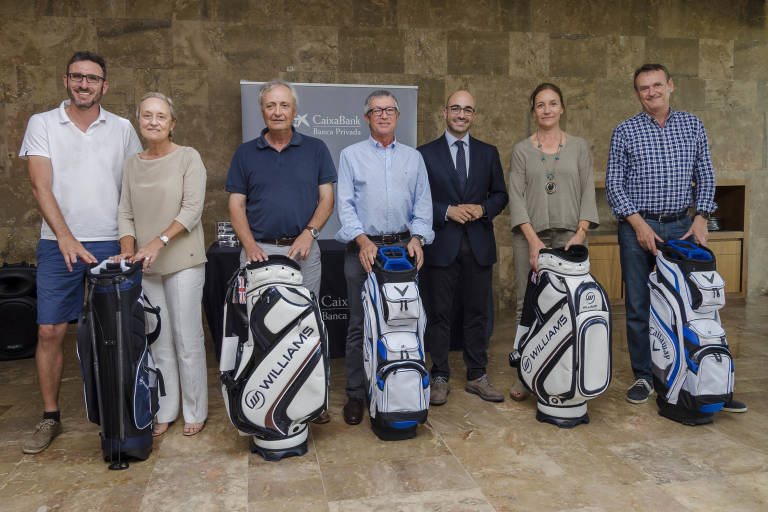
(651, 169)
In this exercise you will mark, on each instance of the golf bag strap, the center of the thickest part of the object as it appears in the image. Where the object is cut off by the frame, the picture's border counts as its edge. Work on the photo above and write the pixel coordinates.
(152, 337)
(160, 381)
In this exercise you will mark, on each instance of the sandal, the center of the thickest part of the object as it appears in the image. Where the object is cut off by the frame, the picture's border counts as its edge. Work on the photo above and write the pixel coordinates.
(159, 429)
(518, 393)
(191, 429)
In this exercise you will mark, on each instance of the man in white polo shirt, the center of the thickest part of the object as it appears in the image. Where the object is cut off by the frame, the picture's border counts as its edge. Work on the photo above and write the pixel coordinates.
(75, 158)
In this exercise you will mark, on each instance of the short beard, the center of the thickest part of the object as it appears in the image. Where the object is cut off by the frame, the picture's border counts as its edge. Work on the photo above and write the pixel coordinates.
(85, 106)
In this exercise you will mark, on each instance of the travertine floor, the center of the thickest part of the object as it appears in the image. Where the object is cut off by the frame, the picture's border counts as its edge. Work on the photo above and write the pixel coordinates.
(471, 455)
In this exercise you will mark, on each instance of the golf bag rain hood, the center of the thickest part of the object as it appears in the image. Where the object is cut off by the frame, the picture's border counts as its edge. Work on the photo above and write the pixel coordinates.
(393, 346)
(562, 347)
(692, 366)
(274, 357)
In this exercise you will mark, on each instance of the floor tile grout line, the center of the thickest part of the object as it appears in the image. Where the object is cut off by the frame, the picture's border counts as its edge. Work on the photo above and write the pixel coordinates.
(442, 439)
(320, 469)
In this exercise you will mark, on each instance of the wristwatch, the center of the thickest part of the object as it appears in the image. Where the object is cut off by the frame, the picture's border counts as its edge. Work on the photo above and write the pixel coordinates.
(313, 231)
(164, 239)
(422, 241)
(706, 215)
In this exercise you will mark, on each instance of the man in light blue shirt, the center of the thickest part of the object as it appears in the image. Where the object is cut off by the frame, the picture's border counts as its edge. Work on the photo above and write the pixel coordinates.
(383, 199)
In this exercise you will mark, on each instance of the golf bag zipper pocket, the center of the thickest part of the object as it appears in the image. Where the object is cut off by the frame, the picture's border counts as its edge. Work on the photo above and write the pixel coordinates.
(713, 367)
(707, 291)
(402, 384)
(400, 301)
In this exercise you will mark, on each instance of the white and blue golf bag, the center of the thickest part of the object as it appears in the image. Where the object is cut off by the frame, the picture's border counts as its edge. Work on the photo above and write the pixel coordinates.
(562, 348)
(274, 357)
(692, 366)
(393, 346)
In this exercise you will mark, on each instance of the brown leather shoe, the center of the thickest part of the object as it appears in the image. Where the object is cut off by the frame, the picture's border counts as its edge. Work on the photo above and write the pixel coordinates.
(322, 419)
(353, 411)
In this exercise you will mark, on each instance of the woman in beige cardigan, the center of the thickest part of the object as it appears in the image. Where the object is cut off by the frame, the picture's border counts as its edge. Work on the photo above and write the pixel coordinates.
(551, 192)
(160, 208)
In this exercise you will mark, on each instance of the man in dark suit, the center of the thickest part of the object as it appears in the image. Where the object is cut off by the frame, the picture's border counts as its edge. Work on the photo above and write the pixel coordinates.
(468, 191)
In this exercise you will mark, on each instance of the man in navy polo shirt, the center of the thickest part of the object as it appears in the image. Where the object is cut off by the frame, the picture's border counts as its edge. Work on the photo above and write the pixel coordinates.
(281, 189)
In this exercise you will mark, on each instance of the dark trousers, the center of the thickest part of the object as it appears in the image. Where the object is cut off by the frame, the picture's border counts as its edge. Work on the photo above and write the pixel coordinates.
(355, 276)
(636, 265)
(473, 281)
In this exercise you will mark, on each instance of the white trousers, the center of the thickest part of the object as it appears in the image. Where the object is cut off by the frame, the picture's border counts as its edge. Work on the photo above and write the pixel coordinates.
(179, 351)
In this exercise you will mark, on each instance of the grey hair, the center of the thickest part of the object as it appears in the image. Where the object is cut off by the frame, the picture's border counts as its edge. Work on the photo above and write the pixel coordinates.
(380, 93)
(159, 96)
(268, 86)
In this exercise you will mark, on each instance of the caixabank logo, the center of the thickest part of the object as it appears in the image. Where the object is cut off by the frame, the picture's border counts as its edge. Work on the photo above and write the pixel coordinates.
(334, 307)
(318, 124)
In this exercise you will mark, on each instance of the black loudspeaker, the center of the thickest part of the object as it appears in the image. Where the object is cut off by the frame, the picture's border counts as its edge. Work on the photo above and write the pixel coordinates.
(18, 311)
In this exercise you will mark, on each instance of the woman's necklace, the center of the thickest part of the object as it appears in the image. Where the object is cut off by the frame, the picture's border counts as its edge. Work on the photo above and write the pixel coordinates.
(550, 185)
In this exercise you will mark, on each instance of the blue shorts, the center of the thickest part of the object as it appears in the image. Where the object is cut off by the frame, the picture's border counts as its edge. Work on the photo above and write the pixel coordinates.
(60, 293)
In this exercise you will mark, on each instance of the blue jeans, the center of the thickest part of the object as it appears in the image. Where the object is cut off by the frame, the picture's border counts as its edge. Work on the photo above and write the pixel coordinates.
(636, 265)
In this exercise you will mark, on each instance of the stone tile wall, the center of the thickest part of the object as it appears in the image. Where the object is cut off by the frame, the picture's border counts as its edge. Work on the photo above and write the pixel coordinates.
(198, 50)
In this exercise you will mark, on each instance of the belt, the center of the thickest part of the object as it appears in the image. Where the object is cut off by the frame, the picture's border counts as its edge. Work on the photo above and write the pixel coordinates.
(391, 238)
(287, 241)
(664, 218)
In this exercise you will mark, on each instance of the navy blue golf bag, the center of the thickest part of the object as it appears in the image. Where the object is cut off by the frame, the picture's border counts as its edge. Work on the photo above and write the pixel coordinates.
(274, 357)
(562, 348)
(692, 366)
(120, 380)
(393, 346)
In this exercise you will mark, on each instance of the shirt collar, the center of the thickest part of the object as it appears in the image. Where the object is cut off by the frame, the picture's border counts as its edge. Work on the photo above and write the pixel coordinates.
(296, 139)
(376, 144)
(64, 118)
(452, 140)
(651, 119)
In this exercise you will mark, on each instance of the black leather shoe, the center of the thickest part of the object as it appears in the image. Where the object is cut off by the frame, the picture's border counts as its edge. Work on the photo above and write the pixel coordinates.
(353, 410)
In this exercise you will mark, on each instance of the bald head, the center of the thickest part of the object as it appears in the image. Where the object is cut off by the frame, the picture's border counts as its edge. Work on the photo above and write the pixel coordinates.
(459, 113)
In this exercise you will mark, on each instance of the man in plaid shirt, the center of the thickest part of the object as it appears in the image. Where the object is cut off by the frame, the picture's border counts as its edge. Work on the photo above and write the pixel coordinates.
(654, 158)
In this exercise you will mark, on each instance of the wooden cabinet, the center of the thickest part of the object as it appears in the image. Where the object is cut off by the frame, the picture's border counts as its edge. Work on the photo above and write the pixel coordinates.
(604, 264)
(729, 244)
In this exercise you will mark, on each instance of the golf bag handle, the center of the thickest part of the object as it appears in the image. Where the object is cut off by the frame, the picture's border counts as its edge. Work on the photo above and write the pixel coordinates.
(575, 253)
(272, 260)
(109, 268)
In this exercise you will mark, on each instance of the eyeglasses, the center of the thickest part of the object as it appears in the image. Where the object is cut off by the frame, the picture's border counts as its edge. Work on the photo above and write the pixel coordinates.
(378, 112)
(78, 77)
(455, 109)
